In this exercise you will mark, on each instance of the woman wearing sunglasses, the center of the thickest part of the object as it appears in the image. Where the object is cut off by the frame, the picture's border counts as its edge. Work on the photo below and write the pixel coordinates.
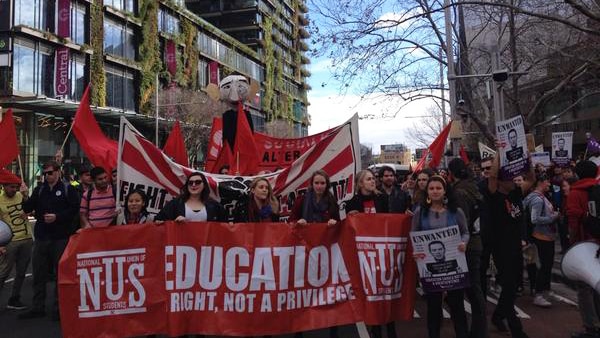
(193, 204)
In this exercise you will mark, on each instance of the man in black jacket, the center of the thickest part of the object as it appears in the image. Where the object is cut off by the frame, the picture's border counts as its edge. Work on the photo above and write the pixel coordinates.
(55, 205)
(399, 200)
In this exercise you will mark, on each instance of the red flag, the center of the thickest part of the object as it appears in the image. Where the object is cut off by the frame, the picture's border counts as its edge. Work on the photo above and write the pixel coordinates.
(245, 155)
(8, 139)
(215, 144)
(175, 146)
(438, 145)
(101, 150)
(463, 154)
(436, 149)
(422, 161)
(225, 158)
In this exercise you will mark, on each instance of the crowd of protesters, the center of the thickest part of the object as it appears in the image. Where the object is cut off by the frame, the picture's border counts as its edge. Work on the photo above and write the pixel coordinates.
(511, 225)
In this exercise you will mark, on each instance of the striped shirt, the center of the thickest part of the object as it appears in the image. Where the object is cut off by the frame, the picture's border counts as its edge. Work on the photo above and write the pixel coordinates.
(100, 209)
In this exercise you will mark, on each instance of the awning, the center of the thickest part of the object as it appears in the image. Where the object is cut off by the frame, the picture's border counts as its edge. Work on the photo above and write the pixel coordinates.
(68, 108)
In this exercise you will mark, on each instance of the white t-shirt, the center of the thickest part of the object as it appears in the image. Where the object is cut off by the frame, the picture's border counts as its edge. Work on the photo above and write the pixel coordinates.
(196, 215)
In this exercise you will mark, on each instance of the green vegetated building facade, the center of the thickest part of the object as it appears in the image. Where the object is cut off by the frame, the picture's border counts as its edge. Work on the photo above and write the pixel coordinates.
(51, 49)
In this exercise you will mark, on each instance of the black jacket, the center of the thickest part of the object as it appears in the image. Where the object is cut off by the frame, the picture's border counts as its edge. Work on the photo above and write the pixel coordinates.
(356, 203)
(62, 200)
(398, 200)
(176, 207)
(242, 214)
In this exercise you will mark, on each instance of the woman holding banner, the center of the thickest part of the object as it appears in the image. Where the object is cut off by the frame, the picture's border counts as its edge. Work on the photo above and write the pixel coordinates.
(193, 204)
(367, 199)
(439, 211)
(260, 206)
(135, 211)
(317, 205)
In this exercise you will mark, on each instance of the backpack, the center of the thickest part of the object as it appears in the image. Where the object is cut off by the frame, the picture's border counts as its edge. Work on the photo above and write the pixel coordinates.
(89, 197)
(591, 221)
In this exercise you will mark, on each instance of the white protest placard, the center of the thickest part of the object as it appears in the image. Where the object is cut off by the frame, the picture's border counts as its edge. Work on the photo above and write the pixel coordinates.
(441, 265)
(485, 151)
(562, 148)
(542, 158)
(513, 147)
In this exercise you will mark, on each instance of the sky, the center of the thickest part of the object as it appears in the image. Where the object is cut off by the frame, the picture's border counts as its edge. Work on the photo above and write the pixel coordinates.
(329, 108)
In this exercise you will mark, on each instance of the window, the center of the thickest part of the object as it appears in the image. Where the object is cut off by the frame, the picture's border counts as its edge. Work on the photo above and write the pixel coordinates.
(120, 91)
(78, 23)
(33, 13)
(124, 5)
(33, 68)
(202, 73)
(77, 73)
(118, 39)
(168, 23)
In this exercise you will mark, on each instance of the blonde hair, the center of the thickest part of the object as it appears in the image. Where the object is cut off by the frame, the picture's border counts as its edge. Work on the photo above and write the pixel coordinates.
(270, 197)
(359, 177)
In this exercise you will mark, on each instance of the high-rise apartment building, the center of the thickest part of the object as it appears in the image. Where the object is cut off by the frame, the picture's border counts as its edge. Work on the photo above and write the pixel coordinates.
(51, 49)
(275, 29)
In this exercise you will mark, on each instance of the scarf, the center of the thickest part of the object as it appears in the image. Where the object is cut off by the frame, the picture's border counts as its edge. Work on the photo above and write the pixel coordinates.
(312, 211)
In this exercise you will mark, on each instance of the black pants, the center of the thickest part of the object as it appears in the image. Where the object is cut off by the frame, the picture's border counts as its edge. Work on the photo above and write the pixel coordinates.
(46, 254)
(544, 274)
(563, 233)
(455, 300)
(507, 263)
(486, 256)
(475, 293)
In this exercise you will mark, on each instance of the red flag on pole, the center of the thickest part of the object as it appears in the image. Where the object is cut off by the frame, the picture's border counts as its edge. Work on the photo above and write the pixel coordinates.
(101, 150)
(175, 146)
(463, 154)
(245, 154)
(436, 149)
(8, 139)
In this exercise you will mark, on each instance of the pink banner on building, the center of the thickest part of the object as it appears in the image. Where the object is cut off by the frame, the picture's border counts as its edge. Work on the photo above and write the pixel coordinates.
(63, 28)
(213, 72)
(171, 57)
(62, 71)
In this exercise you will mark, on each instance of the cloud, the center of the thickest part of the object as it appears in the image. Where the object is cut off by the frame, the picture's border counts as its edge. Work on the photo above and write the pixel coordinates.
(329, 111)
(394, 19)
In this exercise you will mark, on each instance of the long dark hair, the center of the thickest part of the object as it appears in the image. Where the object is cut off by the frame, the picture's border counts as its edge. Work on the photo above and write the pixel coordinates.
(327, 195)
(144, 197)
(450, 199)
(185, 193)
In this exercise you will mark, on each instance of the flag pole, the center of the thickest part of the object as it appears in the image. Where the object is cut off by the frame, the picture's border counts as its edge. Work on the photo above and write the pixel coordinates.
(66, 137)
(20, 167)
(238, 162)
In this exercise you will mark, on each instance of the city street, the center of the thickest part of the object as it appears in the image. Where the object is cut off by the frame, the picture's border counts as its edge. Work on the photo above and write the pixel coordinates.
(556, 322)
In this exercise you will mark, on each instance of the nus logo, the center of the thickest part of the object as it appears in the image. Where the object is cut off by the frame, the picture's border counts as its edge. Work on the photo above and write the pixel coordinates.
(381, 260)
(110, 282)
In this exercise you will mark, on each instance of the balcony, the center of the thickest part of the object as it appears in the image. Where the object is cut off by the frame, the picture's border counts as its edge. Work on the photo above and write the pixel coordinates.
(303, 46)
(303, 20)
(303, 33)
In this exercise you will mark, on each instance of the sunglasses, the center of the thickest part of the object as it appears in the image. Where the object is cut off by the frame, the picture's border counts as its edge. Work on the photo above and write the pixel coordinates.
(195, 182)
(49, 172)
(486, 168)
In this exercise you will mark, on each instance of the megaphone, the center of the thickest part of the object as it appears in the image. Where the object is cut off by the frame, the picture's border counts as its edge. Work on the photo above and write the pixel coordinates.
(5, 234)
(581, 263)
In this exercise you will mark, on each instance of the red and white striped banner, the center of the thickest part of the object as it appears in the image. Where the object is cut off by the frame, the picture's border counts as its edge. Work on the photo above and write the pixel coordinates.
(142, 165)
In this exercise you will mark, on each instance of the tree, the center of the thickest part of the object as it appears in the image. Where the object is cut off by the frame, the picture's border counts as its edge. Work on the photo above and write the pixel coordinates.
(195, 111)
(427, 128)
(392, 48)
